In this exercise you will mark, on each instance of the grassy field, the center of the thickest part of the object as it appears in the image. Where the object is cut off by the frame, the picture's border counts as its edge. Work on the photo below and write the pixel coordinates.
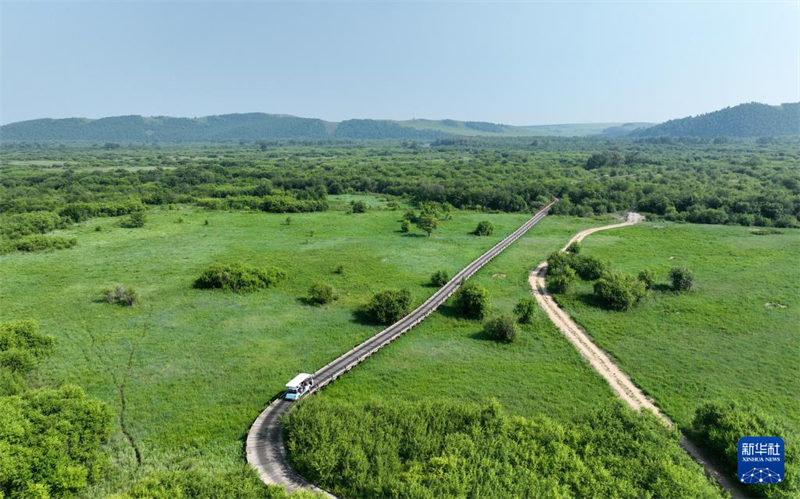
(449, 358)
(196, 367)
(735, 337)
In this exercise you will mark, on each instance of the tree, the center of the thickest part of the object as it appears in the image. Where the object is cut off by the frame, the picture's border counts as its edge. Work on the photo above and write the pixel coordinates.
(559, 280)
(525, 310)
(439, 278)
(358, 206)
(574, 248)
(501, 328)
(618, 291)
(484, 228)
(321, 294)
(588, 267)
(428, 223)
(136, 219)
(648, 278)
(682, 279)
(472, 301)
(405, 226)
(388, 306)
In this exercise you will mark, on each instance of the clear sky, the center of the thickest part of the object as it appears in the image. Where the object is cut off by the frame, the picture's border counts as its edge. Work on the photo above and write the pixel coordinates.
(515, 63)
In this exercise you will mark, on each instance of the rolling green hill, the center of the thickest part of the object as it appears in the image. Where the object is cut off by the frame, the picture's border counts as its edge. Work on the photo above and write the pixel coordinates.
(744, 120)
(259, 126)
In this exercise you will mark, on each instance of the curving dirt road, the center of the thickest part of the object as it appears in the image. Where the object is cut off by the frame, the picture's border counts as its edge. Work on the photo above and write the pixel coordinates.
(599, 360)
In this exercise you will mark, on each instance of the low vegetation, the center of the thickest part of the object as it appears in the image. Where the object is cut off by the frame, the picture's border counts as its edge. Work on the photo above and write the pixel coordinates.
(439, 278)
(719, 426)
(525, 310)
(682, 279)
(502, 328)
(387, 307)
(472, 301)
(484, 228)
(30, 244)
(619, 291)
(122, 295)
(321, 294)
(239, 277)
(445, 450)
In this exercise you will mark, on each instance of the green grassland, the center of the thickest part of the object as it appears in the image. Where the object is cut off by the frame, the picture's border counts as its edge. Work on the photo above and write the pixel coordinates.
(735, 337)
(196, 367)
(448, 358)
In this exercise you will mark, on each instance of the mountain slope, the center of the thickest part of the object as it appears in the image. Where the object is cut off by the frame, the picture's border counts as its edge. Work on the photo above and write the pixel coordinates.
(744, 120)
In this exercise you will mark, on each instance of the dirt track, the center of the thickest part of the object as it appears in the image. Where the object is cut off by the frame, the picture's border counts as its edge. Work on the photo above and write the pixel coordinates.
(600, 362)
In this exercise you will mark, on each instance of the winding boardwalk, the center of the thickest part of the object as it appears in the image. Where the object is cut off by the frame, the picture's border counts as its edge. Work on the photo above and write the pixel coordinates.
(600, 361)
(264, 445)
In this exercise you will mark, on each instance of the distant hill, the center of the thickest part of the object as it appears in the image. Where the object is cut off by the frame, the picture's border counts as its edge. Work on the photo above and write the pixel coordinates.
(257, 126)
(744, 120)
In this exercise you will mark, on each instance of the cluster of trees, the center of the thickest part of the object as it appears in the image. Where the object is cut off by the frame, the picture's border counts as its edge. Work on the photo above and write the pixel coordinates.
(36, 243)
(615, 290)
(446, 450)
(239, 277)
(719, 425)
(51, 440)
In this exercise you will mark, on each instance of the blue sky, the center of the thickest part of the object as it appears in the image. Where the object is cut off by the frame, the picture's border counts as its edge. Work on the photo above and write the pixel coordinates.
(516, 63)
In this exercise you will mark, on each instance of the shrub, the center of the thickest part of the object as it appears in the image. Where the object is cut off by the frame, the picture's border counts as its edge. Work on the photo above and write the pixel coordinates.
(618, 291)
(22, 347)
(574, 248)
(439, 278)
(135, 220)
(718, 427)
(387, 307)
(682, 279)
(239, 277)
(405, 226)
(339, 270)
(588, 267)
(358, 207)
(648, 278)
(122, 295)
(484, 228)
(525, 310)
(559, 280)
(321, 294)
(35, 243)
(472, 301)
(501, 328)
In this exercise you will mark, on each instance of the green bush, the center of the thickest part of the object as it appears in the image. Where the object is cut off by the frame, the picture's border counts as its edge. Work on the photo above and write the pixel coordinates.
(648, 278)
(122, 295)
(472, 301)
(321, 294)
(30, 244)
(718, 426)
(387, 307)
(135, 220)
(560, 280)
(484, 228)
(51, 442)
(525, 309)
(358, 206)
(439, 278)
(682, 279)
(618, 291)
(22, 348)
(501, 328)
(448, 450)
(25, 224)
(405, 226)
(574, 248)
(239, 277)
(588, 267)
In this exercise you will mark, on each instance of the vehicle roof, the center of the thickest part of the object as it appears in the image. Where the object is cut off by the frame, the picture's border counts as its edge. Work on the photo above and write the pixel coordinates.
(297, 380)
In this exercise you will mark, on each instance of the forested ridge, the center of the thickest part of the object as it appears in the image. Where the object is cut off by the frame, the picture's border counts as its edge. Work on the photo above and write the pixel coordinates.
(745, 120)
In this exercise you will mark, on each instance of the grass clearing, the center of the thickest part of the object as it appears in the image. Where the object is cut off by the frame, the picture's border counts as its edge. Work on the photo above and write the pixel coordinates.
(726, 339)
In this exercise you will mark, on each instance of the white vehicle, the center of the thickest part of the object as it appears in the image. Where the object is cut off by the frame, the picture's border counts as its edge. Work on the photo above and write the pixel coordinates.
(299, 386)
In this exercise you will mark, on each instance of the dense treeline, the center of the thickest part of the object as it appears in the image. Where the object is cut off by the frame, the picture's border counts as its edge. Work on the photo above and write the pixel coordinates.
(738, 182)
(458, 450)
(744, 120)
